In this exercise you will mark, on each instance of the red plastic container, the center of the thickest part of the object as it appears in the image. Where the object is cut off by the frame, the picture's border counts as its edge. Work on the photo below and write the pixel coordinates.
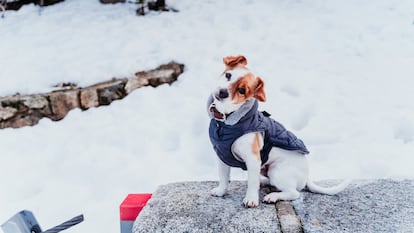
(130, 209)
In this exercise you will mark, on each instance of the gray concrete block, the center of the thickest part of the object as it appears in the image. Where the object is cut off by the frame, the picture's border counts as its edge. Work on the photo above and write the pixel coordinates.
(365, 206)
(189, 207)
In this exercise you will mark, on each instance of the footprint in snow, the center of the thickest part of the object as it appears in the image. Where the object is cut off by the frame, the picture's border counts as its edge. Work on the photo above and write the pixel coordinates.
(290, 90)
(301, 120)
(404, 131)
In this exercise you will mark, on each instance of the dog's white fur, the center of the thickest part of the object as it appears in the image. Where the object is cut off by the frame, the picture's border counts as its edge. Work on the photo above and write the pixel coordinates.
(286, 170)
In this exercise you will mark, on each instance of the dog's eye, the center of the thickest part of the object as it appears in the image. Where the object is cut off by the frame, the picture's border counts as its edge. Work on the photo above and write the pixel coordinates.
(228, 76)
(241, 90)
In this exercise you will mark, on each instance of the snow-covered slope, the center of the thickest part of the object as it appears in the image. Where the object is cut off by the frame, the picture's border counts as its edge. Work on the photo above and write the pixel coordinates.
(338, 74)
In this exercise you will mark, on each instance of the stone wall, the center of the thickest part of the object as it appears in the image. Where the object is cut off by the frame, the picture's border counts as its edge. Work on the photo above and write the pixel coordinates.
(26, 110)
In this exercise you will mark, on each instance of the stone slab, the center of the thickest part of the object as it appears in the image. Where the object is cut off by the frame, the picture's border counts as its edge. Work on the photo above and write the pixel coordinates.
(189, 207)
(365, 206)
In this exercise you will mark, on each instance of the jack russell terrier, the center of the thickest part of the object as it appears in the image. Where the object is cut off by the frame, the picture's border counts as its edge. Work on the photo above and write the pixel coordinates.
(246, 138)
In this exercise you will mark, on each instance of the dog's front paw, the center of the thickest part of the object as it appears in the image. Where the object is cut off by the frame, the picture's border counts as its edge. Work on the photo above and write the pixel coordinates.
(218, 191)
(251, 201)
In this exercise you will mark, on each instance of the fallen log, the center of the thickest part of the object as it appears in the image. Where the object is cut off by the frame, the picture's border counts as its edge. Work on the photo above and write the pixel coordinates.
(26, 110)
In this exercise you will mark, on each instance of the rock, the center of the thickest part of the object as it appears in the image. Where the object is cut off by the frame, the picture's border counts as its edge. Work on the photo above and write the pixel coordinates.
(167, 73)
(189, 207)
(13, 102)
(89, 98)
(134, 83)
(7, 112)
(157, 5)
(26, 120)
(19, 111)
(110, 91)
(365, 206)
(158, 77)
(35, 101)
(62, 102)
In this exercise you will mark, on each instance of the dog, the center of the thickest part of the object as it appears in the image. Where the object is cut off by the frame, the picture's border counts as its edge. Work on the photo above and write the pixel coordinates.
(246, 138)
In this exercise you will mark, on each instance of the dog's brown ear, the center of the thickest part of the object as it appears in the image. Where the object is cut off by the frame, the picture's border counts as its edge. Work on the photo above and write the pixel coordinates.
(259, 91)
(232, 61)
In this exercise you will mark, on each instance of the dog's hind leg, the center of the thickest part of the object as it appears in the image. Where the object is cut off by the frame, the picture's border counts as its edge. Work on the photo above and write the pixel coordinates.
(288, 174)
(264, 180)
(284, 195)
(287, 189)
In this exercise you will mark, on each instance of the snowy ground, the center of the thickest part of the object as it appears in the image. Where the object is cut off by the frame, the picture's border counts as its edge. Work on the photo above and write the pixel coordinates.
(339, 74)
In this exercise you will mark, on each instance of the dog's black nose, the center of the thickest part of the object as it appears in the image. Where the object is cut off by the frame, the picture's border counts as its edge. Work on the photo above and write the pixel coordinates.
(223, 93)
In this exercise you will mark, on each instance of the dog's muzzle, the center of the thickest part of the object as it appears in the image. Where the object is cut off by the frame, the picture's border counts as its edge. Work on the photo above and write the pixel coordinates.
(217, 115)
(223, 93)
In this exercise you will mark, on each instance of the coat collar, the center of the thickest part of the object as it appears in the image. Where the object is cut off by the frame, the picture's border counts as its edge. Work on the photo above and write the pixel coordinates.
(245, 111)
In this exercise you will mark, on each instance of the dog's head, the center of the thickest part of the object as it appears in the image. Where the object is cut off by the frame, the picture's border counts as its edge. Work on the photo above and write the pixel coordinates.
(236, 85)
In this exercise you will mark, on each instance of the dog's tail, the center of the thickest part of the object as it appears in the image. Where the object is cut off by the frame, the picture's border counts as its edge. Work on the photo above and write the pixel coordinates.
(328, 190)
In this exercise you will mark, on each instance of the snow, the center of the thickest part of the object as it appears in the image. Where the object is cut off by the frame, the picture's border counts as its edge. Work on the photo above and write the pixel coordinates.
(338, 74)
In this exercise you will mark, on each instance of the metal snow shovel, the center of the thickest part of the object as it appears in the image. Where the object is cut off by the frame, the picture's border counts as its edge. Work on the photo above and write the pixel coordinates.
(25, 222)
